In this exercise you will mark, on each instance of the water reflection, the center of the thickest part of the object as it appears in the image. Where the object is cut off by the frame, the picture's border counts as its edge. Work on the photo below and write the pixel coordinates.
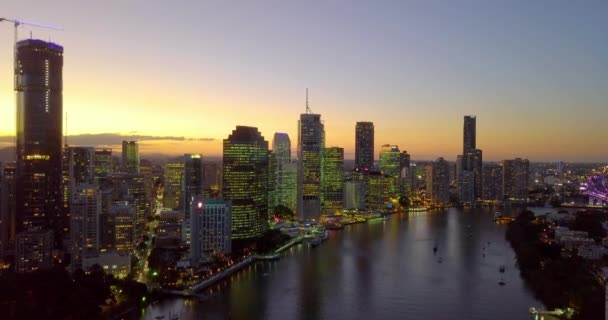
(384, 270)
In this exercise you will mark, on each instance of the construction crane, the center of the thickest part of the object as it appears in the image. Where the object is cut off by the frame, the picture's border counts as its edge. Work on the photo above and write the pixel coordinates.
(18, 23)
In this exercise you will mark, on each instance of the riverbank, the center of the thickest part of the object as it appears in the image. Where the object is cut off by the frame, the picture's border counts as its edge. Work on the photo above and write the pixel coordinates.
(559, 281)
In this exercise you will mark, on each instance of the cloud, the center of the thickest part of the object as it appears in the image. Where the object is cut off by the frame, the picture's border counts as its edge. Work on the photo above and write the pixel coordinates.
(97, 139)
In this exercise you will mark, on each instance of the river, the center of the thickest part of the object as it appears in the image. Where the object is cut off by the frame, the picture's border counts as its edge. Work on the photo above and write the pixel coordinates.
(379, 270)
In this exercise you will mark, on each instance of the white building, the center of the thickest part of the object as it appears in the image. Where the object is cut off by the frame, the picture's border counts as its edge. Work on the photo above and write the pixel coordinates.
(591, 251)
(211, 228)
(354, 195)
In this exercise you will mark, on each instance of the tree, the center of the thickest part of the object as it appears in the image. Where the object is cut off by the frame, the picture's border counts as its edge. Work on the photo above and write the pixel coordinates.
(283, 213)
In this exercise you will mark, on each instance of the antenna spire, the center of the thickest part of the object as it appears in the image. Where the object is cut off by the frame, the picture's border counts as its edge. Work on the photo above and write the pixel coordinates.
(66, 129)
(307, 107)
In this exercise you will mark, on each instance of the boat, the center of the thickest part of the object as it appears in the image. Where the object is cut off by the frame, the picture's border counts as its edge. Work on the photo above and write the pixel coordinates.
(435, 247)
(502, 268)
(440, 260)
(314, 242)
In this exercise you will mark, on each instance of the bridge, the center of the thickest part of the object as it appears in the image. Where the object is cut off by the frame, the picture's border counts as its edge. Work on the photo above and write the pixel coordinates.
(597, 191)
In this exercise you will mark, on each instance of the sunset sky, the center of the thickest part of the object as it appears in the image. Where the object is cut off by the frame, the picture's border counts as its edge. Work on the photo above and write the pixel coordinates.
(180, 75)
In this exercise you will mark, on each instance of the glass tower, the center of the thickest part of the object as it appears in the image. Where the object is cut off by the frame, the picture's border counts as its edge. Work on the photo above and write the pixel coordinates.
(311, 135)
(245, 181)
(364, 145)
(130, 157)
(39, 86)
(332, 189)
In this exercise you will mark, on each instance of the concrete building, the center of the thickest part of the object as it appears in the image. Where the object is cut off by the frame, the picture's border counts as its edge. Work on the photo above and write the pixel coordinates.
(112, 263)
(85, 217)
(438, 182)
(33, 250)
(492, 182)
(332, 180)
(515, 179)
(211, 228)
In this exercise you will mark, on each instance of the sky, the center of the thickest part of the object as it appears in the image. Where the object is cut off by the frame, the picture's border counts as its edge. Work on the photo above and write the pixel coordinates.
(180, 75)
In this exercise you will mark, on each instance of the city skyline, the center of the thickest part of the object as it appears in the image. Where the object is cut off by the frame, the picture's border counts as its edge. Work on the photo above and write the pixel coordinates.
(534, 105)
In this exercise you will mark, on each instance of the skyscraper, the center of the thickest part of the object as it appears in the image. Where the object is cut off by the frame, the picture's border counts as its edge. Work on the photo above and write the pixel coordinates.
(130, 157)
(245, 181)
(470, 135)
(515, 175)
(438, 182)
(192, 187)
(469, 165)
(85, 214)
(390, 164)
(173, 178)
(102, 162)
(77, 169)
(286, 172)
(281, 146)
(311, 141)
(364, 145)
(39, 86)
(332, 181)
(492, 182)
(7, 209)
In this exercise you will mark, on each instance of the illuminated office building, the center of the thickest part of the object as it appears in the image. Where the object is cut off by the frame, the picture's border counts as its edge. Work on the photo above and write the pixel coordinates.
(364, 145)
(192, 187)
(77, 169)
(173, 179)
(332, 180)
(7, 209)
(311, 141)
(85, 215)
(39, 86)
(378, 190)
(390, 161)
(122, 225)
(130, 157)
(285, 172)
(103, 162)
(245, 181)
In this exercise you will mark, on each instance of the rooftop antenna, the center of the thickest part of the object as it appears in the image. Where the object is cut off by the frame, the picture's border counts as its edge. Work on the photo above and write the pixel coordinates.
(307, 107)
(66, 129)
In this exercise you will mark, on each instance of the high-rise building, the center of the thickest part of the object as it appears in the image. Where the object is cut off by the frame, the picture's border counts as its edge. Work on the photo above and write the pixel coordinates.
(364, 145)
(311, 141)
(85, 214)
(391, 160)
(33, 250)
(39, 86)
(470, 134)
(245, 181)
(332, 180)
(354, 195)
(212, 180)
(77, 169)
(377, 189)
(103, 162)
(211, 228)
(192, 187)
(407, 175)
(285, 172)
(515, 175)
(438, 182)
(130, 157)
(173, 179)
(281, 146)
(469, 165)
(272, 182)
(122, 226)
(7, 209)
(492, 182)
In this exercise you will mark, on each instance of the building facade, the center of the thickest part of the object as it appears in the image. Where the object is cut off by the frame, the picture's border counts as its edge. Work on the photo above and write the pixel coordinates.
(332, 179)
(130, 157)
(438, 182)
(211, 228)
(245, 181)
(515, 175)
(311, 141)
(364, 145)
(39, 86)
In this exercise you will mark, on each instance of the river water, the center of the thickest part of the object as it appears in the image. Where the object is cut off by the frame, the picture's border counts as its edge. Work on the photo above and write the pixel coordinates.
(379, 270)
